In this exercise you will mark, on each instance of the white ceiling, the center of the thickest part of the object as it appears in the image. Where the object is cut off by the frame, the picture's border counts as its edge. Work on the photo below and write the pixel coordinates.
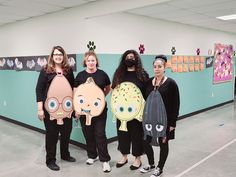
(201, 13)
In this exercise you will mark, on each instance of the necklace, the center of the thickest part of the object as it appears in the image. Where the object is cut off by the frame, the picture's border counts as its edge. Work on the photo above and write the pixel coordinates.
(160, 83)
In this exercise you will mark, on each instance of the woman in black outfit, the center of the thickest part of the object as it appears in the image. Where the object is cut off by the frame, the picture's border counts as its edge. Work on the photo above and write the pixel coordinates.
(130, 69)
(95, 134)
(57, 64)
(169, 92)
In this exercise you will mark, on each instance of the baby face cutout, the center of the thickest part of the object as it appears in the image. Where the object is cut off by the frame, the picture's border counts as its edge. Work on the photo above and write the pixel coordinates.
(89, 100)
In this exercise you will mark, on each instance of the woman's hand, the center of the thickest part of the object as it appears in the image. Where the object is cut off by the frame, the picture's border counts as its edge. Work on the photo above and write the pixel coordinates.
(171, 129)
(41, 115)
(77, 115)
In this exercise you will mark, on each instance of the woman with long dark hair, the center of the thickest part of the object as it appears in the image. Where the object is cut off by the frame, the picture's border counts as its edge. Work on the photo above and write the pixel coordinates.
(131, 70)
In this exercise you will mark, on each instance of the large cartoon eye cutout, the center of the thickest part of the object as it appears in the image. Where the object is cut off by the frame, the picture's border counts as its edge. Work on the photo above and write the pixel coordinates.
(148, 127)
(67, 104)
(97, 103)
(52, 104)
(80, 99)
(159, 127)
(120, 109)
(131, 109)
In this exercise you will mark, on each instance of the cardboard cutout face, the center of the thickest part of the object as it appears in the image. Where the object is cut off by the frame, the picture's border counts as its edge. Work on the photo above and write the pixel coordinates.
(127, 103)
(89, 100)
(154, 118)
(59, 99)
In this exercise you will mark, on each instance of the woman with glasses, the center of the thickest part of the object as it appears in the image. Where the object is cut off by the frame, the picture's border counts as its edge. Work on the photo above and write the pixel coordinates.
(54, 99)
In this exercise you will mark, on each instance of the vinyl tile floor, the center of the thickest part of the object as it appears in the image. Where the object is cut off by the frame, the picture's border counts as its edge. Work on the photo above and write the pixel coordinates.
(205, 146)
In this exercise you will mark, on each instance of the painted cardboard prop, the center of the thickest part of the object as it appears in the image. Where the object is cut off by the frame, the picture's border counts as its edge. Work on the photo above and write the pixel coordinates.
(89, 100)
(127, 103)
(154, 117)
(59, 99)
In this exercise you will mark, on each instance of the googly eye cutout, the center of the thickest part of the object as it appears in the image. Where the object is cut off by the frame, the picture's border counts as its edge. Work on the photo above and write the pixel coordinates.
(52, 104)
(97, 103)
(80, 100)
(159, 127)
(67, 104)
(120, 109)
(131, 109)
(148, 127)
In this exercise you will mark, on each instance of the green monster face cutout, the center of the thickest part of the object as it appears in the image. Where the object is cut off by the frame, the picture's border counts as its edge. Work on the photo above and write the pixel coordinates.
(127, 103)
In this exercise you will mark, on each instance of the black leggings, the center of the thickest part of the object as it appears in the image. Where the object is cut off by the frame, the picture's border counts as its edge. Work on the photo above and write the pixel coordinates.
(164, 151)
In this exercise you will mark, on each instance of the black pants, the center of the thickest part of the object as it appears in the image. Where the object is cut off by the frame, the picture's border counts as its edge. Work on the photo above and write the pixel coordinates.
(164, 151)
(52, 133)
(95, 137)
(134, 137)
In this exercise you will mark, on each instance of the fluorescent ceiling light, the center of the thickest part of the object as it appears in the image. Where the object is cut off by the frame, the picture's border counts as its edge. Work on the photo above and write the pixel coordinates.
(227, 17)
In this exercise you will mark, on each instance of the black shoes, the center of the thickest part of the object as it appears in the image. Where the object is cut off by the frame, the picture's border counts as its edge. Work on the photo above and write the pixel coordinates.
(69, 159)
(53, 166)
(132, 167)
(118, 165)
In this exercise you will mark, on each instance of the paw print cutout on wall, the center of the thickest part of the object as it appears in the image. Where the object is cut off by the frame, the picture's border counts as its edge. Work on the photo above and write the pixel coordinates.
(173, 50)
(91, 45)
(198, 51)
(141, 49)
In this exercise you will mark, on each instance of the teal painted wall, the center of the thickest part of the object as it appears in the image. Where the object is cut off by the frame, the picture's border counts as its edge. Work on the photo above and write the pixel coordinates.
(17, 90)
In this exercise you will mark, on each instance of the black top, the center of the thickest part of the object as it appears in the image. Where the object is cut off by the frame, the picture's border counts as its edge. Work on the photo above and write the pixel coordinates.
(131, 76)
(45, 80)
(100, 78)
(170, 95)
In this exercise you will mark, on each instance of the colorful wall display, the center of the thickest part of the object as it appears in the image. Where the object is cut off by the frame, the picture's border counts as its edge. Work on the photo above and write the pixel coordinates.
(222, 63)
(186, 63)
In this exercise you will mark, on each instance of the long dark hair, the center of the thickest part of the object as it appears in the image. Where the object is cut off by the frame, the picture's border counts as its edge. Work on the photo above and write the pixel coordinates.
(122, 69)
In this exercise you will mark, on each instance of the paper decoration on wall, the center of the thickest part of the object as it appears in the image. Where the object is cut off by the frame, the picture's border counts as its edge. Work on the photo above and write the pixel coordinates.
(30, 63)
(173, 68)
(185, 59)
(174, 59)
(222, 63)
(202, 59)
(198, 51)
(196, 60)
(173, 50)
(91, 46)
(180, 59)
(191, 59)
(201, 66)
(141, 49)
(185, 68)
(209, 61)
(180, 68)
(191, 67)
(209, 52)
(196, 67)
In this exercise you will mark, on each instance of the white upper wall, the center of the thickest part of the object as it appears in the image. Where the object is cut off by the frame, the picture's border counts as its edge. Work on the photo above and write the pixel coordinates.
(111, 30)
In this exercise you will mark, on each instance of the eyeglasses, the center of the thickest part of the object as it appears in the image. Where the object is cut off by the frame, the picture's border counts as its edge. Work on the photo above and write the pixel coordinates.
(53, 104)
(57, 54)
